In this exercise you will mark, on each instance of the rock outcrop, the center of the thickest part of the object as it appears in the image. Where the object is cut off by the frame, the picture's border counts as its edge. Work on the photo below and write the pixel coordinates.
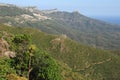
(4, 49)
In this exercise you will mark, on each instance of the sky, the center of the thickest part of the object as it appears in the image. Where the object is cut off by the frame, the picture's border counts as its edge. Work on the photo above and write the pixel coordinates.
(86, 7)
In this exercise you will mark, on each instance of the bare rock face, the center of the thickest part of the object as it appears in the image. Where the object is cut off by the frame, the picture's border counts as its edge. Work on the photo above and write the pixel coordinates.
(9, 54)
(4, 46)
(4, 49)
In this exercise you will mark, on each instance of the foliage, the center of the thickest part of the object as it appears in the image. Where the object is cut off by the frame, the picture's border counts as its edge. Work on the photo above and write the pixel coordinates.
(91, 63)
(22, 62)
(30, 60)
(83, 61)
(5, 68)
(45, 68)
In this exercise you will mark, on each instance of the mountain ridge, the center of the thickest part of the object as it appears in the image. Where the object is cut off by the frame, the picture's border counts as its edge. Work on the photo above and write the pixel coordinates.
(75, 25)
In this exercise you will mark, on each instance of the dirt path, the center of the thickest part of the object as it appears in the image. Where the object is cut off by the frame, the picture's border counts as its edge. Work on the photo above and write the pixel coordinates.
(96, 63)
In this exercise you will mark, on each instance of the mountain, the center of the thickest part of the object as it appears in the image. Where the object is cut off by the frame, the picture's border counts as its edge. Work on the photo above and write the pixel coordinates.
(78, 62)
(78, 27)
(89, 31)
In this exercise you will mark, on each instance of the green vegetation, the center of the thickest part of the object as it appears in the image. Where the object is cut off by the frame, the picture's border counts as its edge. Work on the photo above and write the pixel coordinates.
(29, 54)
(29, 62)
(5, 68)
(45, 68)
(87, 30)
(77, 62)
(12, 11)
(76, 26)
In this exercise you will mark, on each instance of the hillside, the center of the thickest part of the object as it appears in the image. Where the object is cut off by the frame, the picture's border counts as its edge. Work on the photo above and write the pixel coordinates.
(78, 27)
(77, 60)
(89, 31)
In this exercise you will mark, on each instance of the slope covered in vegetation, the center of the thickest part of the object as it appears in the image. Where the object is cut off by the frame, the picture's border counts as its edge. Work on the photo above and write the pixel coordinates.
(77, 60)
(24, 61)
(78, 27)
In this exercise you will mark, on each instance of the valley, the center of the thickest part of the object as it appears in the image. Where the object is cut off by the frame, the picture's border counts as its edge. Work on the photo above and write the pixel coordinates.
(56, 45)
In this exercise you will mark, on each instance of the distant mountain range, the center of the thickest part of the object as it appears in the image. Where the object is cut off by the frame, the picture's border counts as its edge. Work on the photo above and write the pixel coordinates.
(78, 27)
(73, 43)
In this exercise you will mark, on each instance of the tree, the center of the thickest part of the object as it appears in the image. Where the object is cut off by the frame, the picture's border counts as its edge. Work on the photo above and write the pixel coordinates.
(31, 62)
(45, 67)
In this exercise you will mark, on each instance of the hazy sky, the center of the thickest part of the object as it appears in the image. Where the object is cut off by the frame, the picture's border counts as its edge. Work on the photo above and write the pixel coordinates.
(86, 7)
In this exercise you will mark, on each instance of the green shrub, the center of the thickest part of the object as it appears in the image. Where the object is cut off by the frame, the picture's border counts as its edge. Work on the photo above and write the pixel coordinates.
(5, 68)
(31, 62)
(45, 68)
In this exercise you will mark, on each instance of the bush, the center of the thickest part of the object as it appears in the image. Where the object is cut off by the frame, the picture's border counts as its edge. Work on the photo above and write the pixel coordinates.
(45, 68)
(5, 68)
(32, 63)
